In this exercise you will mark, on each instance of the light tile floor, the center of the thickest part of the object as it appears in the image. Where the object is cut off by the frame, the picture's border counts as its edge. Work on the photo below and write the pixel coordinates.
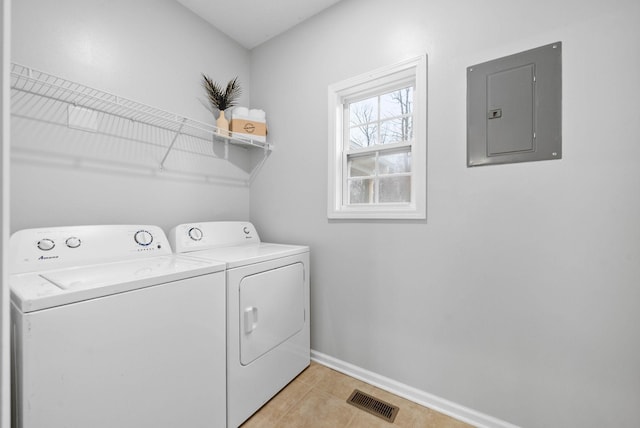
(317, 399)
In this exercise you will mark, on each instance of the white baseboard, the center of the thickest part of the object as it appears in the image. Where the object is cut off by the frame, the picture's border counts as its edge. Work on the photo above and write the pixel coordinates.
(423, 398)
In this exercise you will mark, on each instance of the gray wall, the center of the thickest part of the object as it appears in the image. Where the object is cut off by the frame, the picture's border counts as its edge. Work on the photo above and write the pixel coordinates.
(519, 296)
(145, 50)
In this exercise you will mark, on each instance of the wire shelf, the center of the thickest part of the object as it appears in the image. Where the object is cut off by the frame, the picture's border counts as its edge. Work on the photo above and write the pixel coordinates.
(31, 81)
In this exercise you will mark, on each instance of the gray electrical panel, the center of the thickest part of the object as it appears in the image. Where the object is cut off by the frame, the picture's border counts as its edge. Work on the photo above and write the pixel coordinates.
(514, 108)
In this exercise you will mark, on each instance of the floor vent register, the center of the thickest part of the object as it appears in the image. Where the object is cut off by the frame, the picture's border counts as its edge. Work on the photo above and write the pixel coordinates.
(372, 405)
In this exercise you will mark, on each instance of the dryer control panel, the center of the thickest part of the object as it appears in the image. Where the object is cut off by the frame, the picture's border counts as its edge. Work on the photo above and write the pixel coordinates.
(34, 250)
(213, 234)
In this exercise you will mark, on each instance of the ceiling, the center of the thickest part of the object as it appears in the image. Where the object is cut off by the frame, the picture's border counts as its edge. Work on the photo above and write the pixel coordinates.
(252, 22)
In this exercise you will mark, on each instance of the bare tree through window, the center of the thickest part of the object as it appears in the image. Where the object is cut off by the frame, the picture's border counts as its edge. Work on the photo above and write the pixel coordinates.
(364, 129)
(404, 99)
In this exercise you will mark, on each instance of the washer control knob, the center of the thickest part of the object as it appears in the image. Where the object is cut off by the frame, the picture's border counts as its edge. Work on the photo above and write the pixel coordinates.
(195, 234)
(144, 238)
(46, 244)
(73, 242)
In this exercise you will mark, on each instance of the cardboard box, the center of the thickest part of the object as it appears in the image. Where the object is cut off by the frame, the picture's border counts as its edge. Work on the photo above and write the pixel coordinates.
(249, 128)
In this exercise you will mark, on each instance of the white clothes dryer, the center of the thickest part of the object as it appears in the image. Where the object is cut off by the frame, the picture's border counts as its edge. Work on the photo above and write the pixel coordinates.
(111, 329)
(268, 337)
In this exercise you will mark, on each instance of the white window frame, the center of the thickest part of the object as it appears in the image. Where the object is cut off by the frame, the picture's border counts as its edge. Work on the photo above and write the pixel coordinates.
(371, 84)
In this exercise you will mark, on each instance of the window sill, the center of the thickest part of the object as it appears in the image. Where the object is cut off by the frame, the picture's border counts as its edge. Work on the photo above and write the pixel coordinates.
(377, 213)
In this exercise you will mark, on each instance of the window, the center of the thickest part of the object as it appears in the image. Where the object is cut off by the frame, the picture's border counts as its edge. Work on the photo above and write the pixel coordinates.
(377, 128)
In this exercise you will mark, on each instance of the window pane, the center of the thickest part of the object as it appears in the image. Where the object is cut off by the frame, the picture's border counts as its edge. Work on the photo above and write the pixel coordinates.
(396, 130)
(397, 103)
(361, 191)
(362, 165)
(364, 111)
(395, 189)
(363, 136)
(394, 162)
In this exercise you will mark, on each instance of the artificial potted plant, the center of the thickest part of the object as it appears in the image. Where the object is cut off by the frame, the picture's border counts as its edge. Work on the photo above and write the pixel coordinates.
(221, 99)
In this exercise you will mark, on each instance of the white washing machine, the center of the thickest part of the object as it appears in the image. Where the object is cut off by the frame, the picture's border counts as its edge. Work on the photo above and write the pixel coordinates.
(110, 329)
(268, 341)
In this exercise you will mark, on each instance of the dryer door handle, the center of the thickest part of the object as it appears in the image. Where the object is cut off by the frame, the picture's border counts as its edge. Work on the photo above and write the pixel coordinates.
(250, 319)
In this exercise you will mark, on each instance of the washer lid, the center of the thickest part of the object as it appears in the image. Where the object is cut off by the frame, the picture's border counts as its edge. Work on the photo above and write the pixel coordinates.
(35, 291)
(242, 255)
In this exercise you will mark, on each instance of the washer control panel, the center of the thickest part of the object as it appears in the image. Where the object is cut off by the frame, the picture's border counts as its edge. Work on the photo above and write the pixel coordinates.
(49, 248)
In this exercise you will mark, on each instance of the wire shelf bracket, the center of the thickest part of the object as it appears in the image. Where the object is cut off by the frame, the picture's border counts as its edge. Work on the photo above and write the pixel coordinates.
(175, 137)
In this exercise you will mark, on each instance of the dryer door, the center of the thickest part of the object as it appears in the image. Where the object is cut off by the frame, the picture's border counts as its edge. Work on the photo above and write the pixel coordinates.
(271, 309)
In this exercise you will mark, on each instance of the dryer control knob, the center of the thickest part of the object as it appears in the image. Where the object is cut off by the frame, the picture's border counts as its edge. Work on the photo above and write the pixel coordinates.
(46, 244)
(144, 238)
(195, 234)
(73, 242)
